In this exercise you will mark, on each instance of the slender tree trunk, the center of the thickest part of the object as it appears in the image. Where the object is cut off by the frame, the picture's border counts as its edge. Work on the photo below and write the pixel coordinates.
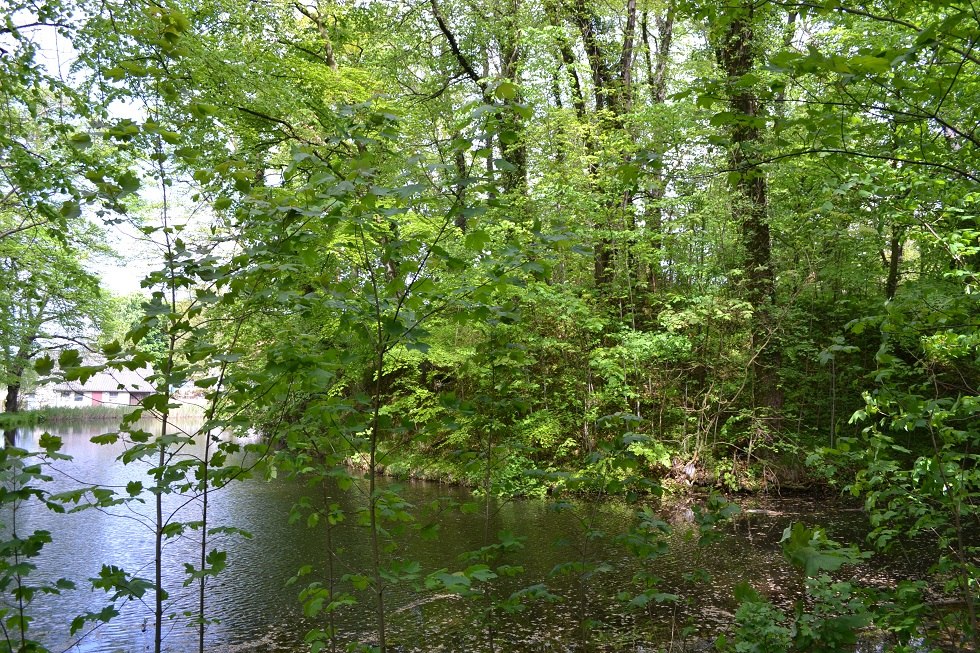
(603, 94)
(160, 594)
(23, 619)
(833, 402)
(895, 248)
(206, 492)
(665, 37)
(625, 100)
(586, 21)
(514, 152)
(331, 573)
(459, 190)
(321, 27)
(165, 384)
(379, 584)
(158, 543)
(657, 71)
(203, 558)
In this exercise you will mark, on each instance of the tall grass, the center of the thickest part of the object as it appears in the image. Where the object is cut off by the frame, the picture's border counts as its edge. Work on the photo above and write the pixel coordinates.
(63, 415)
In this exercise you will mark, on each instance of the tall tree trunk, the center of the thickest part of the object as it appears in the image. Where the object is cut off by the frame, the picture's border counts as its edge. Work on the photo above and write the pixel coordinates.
(514, 152)
(586, 22)
(736, 54)
(513, 149)
(612, 87)
(20, 361)
(657, 66)
(624, 101)
(19, 365)
(567, 57)
(603, 93)
(459, 188)
(321, 27)
(895, 248)
(12, 402)
(657, 70)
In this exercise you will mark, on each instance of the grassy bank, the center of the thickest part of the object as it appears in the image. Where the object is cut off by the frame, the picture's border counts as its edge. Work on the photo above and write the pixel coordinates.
(515, 474)
(81, 414)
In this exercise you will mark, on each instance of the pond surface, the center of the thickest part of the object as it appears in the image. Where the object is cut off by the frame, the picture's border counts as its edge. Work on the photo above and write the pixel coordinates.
(254, 609)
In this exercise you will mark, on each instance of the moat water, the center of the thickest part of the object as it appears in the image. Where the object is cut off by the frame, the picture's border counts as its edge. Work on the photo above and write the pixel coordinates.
(572, 556)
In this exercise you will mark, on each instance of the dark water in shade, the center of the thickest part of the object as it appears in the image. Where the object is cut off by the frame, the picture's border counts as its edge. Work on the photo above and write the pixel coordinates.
(256, 611)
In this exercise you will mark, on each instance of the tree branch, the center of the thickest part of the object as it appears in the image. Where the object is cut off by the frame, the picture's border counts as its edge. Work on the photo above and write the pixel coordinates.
(861, 155)
(16, 230)
(264, 116)
(10, 30)
(842, 8)
(317, 20)
(454, 47)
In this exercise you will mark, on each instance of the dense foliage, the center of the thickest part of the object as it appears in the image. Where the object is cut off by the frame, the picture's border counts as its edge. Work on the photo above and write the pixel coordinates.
(542, 248)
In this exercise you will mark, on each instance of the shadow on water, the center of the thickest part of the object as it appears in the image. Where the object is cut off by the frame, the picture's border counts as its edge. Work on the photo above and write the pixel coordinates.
(255, 610)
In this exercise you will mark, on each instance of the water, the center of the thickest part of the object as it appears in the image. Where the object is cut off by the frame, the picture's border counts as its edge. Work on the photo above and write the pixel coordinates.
(254, 609)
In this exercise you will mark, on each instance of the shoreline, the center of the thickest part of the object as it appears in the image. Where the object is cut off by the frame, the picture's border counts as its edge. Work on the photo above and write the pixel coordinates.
(550, 483)
(36, 417)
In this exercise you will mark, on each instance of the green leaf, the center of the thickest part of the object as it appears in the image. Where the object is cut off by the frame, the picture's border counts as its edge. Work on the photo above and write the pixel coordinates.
(217, 560)
(866, 64)
(505, 165)
(44, 365)
(810, 550)
(105, 438)
(480, 572)
(112, 349)
(523, 110)
(506, 91)
(69, 358)
(242, 184)
(50, 443)
(509, 137)
(202, 109)
(784, 61)
(745, 593)
(360, 582)
(418, 345)
(81, 140)
(70, 210)
(476, 240)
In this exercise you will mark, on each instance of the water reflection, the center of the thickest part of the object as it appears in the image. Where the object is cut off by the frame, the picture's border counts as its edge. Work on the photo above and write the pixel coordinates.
(255, 610)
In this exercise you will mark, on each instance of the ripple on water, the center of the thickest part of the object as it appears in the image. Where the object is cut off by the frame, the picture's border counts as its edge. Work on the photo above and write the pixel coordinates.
(257, 611)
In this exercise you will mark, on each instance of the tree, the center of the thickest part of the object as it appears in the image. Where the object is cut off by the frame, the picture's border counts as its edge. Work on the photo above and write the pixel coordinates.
(737, 50)
(126, 313)
(48, 301)
(577, 217)
(53, 164)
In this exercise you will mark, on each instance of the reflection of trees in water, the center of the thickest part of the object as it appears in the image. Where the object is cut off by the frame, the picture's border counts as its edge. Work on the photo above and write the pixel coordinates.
(253, 601)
